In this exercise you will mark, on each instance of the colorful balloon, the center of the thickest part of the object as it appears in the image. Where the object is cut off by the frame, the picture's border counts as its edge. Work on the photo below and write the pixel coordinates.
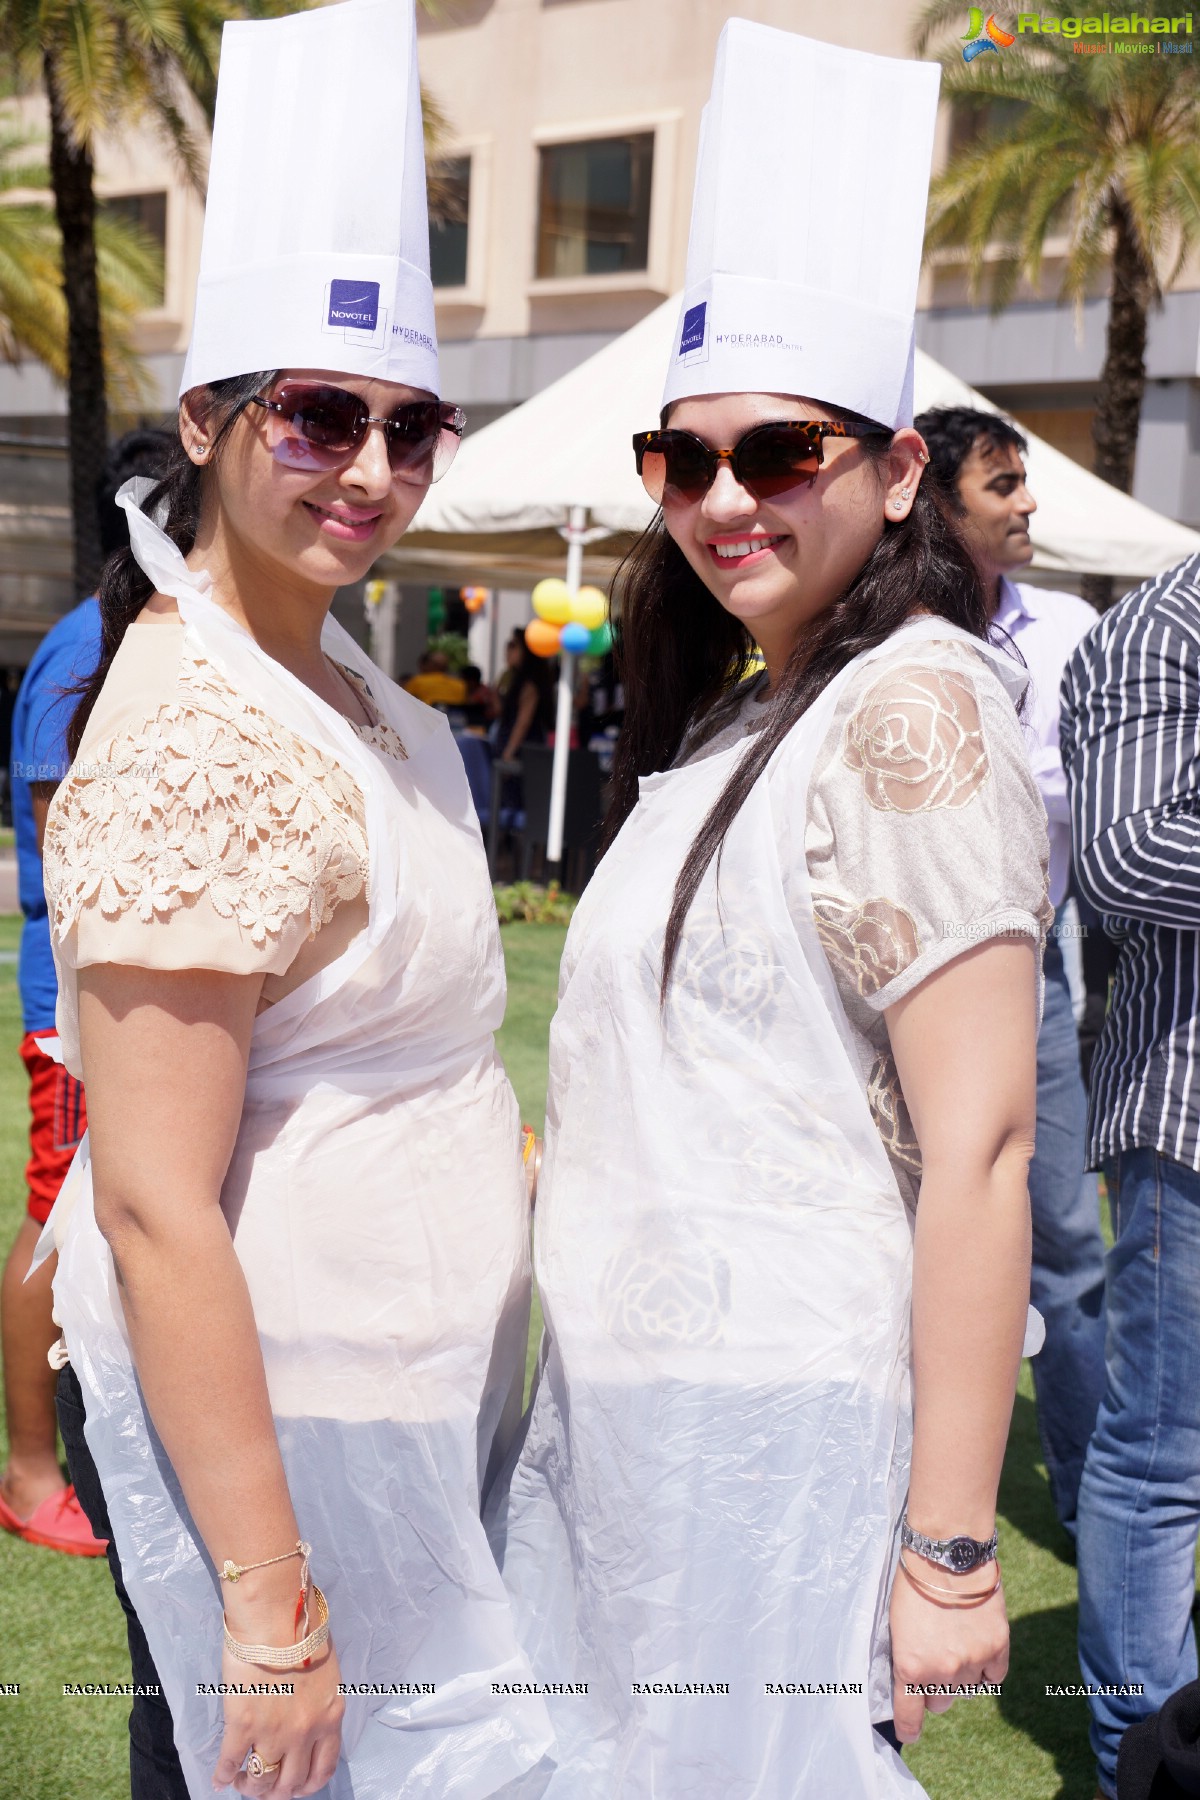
(589, 607)
(600, 641)
(542, 637)
(552, 601)
(575, 638)
(475, 598)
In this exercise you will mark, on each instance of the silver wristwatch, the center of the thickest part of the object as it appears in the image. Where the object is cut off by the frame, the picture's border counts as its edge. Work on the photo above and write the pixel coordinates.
(958, 1554)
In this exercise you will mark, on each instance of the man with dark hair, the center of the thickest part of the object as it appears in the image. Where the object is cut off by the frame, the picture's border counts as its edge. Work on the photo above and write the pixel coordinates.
(35, 1503)
(1131, 746)
(978, 458)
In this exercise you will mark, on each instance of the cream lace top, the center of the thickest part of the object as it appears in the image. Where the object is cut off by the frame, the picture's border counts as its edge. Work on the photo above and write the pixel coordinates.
(194, 831)
(925, 835)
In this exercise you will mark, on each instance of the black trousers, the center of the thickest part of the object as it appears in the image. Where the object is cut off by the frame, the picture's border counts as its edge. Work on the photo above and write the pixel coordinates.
(154, 1768)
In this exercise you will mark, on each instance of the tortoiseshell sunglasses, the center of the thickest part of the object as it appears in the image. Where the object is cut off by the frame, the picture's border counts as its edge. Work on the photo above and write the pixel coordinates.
(678, 469)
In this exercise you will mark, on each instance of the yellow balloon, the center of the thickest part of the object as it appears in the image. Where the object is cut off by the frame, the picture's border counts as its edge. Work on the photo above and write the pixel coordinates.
(552, 601)
(589, 608)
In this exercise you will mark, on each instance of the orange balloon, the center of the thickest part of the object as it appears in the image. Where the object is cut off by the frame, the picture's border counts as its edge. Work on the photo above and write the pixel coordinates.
(543, 639)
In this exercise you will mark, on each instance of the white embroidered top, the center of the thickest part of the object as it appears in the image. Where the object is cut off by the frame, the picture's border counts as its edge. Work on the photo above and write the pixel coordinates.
(926, 835)
(194, 831)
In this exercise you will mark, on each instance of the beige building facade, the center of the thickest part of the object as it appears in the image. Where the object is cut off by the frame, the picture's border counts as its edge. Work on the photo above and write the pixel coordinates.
(572, 132)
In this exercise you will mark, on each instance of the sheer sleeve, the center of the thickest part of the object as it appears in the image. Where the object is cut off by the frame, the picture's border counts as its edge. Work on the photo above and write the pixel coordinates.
(926, 833)
(201, 840)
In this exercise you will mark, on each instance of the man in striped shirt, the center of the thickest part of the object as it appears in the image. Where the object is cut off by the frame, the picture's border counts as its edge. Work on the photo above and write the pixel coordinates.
(1130, 735)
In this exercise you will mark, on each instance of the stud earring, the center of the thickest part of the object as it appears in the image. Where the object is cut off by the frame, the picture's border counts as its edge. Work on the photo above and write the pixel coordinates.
(904, 493)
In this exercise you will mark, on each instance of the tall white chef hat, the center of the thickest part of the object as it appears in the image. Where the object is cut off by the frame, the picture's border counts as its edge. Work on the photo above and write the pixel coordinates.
(807, 222)
(316, 234)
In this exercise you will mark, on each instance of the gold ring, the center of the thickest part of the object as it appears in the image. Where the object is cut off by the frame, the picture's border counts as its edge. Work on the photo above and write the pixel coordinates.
(257, 1767)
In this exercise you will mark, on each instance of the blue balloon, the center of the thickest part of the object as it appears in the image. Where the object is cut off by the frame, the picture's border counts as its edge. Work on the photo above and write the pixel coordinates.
(575, 638)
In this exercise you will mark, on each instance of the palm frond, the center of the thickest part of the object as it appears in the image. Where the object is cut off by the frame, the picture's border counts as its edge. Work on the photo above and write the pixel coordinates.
(33, 308)
(129, 272)
(1061, 132)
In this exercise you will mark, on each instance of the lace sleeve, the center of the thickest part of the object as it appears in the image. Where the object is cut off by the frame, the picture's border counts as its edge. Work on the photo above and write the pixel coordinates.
(201, 841)
(926, 834)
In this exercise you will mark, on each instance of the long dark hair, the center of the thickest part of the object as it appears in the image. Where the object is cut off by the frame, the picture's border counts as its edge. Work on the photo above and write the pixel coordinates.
(532, 671)
(679, 651)
(124, 587)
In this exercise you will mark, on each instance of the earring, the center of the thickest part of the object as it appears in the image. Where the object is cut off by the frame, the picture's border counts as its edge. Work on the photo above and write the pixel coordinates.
(904, 493)
(201, 452)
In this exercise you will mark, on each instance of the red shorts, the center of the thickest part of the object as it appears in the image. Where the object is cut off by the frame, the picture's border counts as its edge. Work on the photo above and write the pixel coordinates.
(56, 1124)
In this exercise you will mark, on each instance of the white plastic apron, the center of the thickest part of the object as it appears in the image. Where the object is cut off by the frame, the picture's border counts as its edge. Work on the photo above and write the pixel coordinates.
(710, 1487)
(377, 1204)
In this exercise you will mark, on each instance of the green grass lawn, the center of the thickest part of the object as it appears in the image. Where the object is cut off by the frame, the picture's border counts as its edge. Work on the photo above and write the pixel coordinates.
(61, 1621)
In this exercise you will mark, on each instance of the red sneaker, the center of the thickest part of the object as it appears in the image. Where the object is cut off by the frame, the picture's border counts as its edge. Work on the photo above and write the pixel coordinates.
(59, 1523)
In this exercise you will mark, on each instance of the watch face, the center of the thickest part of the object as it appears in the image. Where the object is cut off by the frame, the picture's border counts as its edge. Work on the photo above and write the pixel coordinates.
(962, 1553)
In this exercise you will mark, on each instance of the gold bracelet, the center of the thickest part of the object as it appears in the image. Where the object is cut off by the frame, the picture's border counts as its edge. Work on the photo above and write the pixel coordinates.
(950, 1596)
(293, 1656)
(233, 1572)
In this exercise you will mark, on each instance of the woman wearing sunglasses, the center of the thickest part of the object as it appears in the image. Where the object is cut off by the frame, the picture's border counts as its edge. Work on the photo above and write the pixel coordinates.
(294, 1284)
(783, 1204)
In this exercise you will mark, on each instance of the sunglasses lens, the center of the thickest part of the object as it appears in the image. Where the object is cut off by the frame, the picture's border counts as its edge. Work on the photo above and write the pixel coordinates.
(676, 470)
(654, 474)
(318, 426)
(423, 440)
(449, 438)
(776, 458)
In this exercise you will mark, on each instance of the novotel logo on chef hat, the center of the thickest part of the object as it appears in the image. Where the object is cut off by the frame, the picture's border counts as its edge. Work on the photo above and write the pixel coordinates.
(354, 305)
(692, 337)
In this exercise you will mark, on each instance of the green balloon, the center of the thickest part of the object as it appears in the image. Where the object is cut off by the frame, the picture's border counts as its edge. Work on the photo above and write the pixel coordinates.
(600, 642)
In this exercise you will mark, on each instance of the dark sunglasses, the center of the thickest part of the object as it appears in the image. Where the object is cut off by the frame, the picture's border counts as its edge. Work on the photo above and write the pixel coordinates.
(312, 425)
(678, 469)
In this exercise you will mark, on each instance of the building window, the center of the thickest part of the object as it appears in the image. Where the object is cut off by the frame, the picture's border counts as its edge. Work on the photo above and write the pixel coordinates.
(594, 207)
(149, 212)
(449, 211)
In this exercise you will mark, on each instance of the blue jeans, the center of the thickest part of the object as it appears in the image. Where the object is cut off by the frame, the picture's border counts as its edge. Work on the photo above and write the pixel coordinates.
(1139, 1501)
(1067, 1284)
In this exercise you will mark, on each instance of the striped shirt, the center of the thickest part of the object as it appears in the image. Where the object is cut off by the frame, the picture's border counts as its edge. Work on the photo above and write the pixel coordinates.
(1130, 736)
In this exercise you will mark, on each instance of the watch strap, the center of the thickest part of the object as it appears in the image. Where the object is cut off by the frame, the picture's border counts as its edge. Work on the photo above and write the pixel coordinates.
(958, 1554)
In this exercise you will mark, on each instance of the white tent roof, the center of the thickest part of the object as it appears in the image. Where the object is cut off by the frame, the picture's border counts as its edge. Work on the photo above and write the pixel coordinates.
(497, 514)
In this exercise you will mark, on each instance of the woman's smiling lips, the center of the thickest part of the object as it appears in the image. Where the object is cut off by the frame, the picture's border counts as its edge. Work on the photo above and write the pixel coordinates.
(739, 552)
(352, 524)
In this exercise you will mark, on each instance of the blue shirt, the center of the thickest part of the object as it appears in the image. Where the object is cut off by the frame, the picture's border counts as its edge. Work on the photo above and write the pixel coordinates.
(39, 753)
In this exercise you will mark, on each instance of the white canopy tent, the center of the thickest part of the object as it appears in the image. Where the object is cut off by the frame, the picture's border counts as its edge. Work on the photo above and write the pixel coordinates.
(499, 516)
(561, 467)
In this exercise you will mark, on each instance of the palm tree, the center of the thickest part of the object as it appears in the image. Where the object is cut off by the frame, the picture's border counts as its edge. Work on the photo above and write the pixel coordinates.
(33, 313)
(103, 64)
(1102, 150)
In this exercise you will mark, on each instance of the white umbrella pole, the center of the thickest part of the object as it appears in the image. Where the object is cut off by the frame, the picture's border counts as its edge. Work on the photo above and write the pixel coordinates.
(576, 535)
